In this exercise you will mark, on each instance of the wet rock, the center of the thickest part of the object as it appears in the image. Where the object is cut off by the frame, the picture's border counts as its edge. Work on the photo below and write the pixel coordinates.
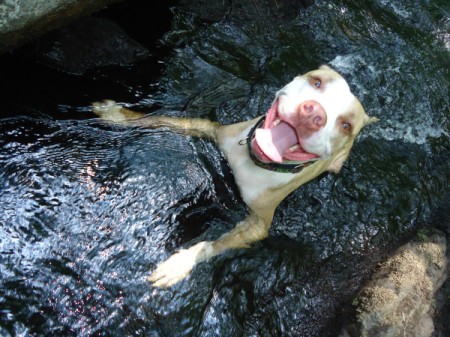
(88, 43)
(399, 299)
(22, 20)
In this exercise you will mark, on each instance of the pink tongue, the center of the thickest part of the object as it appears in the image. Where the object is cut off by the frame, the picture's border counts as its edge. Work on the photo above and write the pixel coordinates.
(276, 141)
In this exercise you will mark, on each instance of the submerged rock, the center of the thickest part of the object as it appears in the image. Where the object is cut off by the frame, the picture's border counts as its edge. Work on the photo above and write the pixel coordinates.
(398, 301)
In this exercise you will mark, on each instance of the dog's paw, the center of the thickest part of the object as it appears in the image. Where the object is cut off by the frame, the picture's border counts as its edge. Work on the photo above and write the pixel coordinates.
(109, 110)
(179, 265)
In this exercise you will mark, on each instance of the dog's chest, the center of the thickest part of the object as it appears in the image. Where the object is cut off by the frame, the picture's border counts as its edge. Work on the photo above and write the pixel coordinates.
(252, 180)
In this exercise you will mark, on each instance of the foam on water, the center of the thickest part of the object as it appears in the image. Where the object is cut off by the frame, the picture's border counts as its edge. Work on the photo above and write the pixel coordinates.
(417, 134)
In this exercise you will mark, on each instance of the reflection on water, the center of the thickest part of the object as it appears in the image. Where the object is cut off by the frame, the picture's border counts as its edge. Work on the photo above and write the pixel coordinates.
(88, 209)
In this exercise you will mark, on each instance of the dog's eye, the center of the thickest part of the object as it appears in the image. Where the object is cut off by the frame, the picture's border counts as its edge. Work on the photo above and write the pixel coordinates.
(347, 127)
(315, 82)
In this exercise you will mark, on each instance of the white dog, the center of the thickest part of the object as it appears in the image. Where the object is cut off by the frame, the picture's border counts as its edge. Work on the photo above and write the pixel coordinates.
(310, 128)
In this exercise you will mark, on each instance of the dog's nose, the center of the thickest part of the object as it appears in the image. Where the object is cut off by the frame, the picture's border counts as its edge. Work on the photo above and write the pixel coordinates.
(312, 115)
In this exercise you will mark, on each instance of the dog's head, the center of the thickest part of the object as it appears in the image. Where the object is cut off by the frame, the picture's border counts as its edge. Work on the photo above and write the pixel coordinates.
(313, 117)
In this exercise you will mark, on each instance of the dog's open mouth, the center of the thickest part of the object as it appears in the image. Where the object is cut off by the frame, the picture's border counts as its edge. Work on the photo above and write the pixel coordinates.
(278, 141)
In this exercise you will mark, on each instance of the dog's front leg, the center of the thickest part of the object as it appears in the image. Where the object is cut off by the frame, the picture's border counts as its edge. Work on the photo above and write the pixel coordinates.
(180, 264)
(111, 111)
(196, 127)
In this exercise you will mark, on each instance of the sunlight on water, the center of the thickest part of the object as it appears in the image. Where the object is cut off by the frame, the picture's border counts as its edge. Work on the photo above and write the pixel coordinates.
(418, 127)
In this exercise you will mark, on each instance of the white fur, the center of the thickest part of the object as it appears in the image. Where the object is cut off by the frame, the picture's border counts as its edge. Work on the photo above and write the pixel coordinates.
(336, 99)
(179, 265)
(255, 179)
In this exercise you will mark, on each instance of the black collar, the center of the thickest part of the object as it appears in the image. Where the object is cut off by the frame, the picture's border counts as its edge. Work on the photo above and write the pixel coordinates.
(288, 167)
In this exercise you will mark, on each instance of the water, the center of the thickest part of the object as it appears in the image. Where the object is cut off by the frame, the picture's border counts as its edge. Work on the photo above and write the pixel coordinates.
(88, 209)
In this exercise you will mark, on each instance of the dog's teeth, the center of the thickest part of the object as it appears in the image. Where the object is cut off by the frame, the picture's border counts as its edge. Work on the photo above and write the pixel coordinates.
(293, 148)
(276, 122)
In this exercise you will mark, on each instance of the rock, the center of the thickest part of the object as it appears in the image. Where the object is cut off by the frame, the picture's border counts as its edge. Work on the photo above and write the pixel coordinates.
(23, 20)
(88, 43)
(245, 12)
(398, 301)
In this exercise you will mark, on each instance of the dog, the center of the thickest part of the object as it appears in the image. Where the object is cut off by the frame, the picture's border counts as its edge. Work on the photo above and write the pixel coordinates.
(309, 129)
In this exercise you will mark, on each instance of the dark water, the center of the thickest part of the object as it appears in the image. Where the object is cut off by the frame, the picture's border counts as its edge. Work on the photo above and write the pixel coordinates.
(88, 209)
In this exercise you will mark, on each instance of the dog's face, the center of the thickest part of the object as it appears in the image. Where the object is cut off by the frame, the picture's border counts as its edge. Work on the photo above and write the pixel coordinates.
(313, 117)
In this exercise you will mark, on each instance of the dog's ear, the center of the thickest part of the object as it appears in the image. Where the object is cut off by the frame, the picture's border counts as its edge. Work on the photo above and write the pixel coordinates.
(325, 67)
(370, 120)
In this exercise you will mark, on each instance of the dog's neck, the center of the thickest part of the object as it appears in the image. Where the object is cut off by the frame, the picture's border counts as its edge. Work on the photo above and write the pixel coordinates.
(254, 181)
